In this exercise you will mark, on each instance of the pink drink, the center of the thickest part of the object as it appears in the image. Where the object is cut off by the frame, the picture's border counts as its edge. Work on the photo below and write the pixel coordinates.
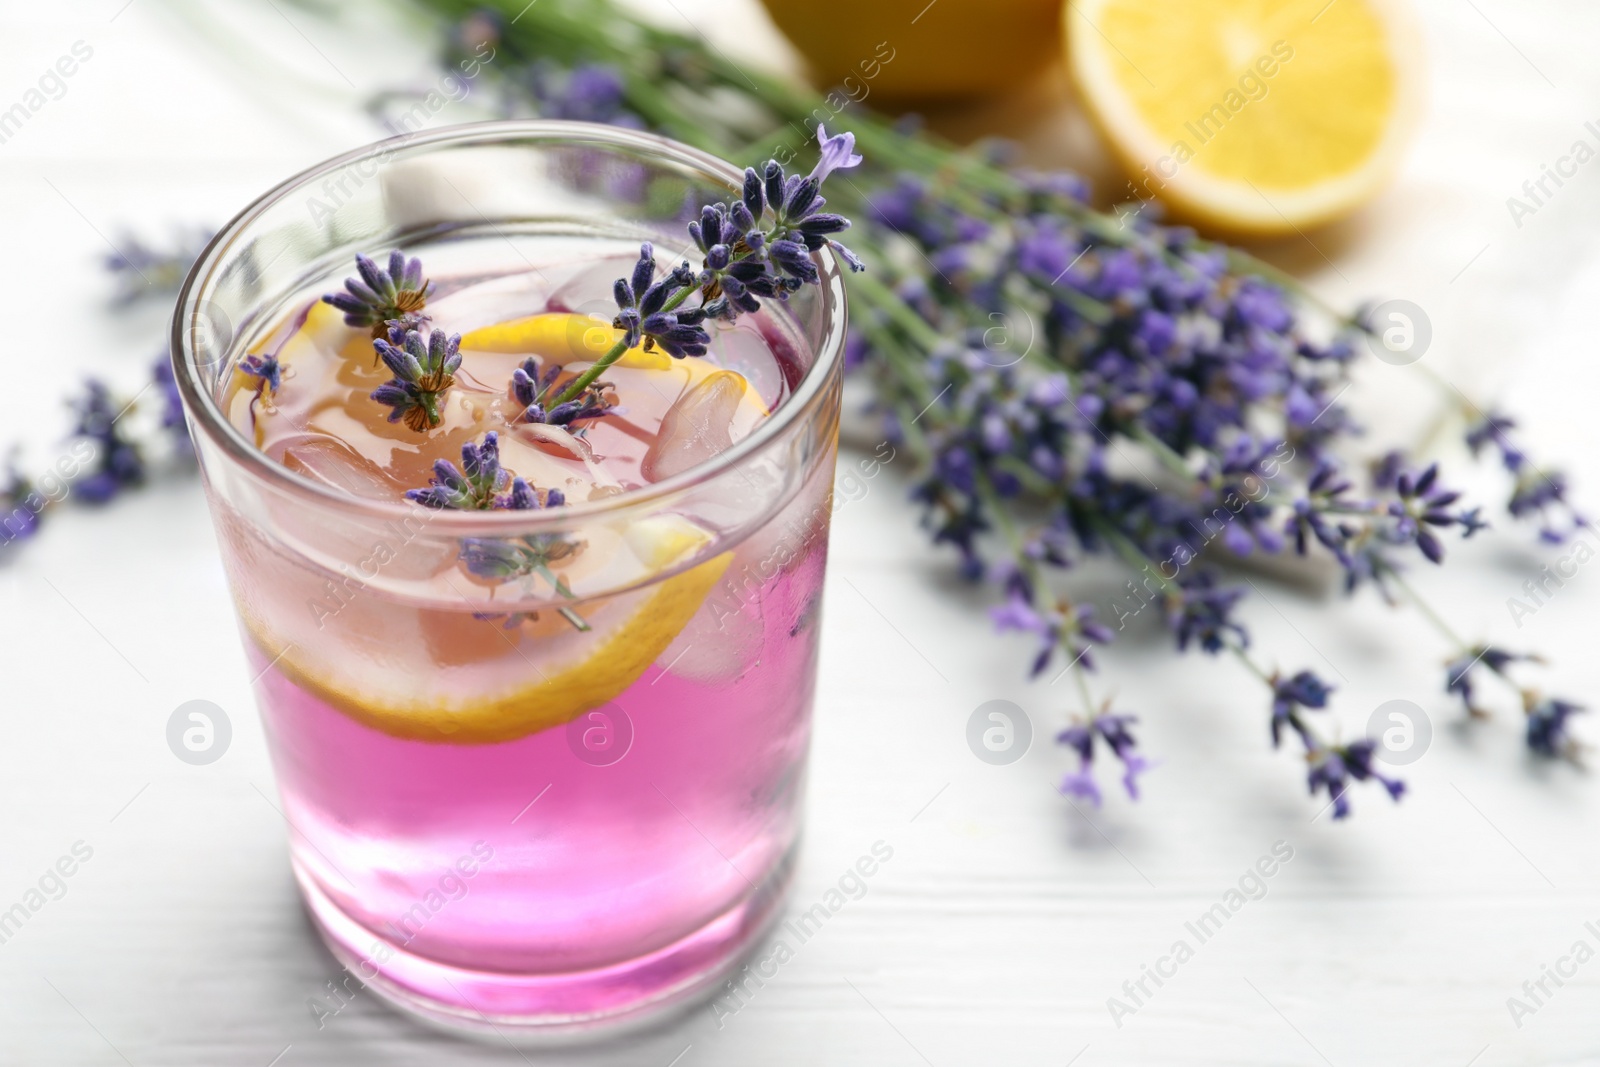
(509, 819)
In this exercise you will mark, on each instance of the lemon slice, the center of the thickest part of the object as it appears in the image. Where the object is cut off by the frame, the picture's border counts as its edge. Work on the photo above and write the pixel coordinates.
(1256, 117)
(561, 337)
(545, 680)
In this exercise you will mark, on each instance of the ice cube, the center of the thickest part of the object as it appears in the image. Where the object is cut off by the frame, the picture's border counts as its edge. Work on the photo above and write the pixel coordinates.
(588, 290)
(473, 306)
(551, 458)
(330, 462)
(378, 551)
(742, 348)
(724, 639)
(698, 426)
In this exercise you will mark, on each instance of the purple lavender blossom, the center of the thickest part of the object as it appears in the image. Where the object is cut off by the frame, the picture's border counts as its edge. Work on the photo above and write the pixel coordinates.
(1535, 492)
(266, 369)
(475, 487)
(1548, 733)
(530, 385)
(118, 463)
(1082, 738)
(1333, 768)
(1304, 690)
(172, 420)
(143, 270)
(380, 297)
(1459, 672)
(1202, 613)
(588, 93)
(423, 368)
(838, 153)
(643, 316)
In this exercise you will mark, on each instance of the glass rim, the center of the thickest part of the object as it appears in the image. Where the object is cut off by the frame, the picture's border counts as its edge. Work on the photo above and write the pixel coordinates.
(206, 416)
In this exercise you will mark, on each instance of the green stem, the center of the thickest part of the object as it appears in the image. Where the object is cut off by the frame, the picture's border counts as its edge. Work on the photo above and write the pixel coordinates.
(1244, 657)
(1134, 556)
(881, 297)
(1085, 695)
(1427, 610)
(586, 379)
(1165, 453)
(1462, 648)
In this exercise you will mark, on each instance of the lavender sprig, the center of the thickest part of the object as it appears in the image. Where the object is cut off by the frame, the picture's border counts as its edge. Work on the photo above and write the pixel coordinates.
(1548, 731)
(1111, 730)
(1334, 767)
(1460, 671)
(118, 462)
(424, 369)
(380, 297)
(481, 484)
(1536, 492)
(756, 247)
(1118, 337)
(112, 453)
(477, 486)
(143, 270)
(529, 384)
(265, 368)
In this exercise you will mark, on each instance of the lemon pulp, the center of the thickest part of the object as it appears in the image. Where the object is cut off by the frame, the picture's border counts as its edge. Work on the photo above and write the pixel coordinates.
(1260, 116)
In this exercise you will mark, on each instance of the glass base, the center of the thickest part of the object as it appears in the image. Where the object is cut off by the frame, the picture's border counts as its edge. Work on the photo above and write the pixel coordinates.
(552, 1008)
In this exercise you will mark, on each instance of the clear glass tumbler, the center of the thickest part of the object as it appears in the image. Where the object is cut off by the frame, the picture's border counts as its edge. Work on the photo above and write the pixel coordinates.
(482, 866)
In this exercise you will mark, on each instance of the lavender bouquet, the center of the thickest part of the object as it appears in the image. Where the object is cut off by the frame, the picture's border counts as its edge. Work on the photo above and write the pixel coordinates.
(1179, 413)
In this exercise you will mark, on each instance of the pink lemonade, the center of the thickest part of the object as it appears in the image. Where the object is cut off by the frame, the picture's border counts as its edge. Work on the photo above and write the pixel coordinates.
(562, 799)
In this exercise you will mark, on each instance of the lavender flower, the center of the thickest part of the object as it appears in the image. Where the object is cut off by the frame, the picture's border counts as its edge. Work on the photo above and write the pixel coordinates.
(838, 153)
(1333, 768)
(423, 370)
(529, 385)
(1198, 611)
(1304, 690)
(1423, 503)
(143, 270)
(1535, 492)
(502, 560)
(481, 484)
(1459, 672)
(1068, 628)
(1548, 733)
(590, 93)
(1113, 731)
(643, 313)
(380, 297)
(118, 463)
(475, 487)
(172, 420)
(20, 506)
(266, 369)
(757, 246)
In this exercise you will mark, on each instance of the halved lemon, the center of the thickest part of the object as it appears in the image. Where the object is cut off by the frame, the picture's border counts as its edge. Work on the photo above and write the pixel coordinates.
(496, 685)
(1256, 117)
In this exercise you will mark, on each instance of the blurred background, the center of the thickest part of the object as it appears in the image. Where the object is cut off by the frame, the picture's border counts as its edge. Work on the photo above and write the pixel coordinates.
(1007, 918)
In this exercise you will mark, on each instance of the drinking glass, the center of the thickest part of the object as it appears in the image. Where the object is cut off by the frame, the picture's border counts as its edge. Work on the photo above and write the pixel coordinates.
(482, 865)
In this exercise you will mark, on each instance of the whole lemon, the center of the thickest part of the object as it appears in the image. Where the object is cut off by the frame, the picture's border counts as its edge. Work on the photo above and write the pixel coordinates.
(917, 50)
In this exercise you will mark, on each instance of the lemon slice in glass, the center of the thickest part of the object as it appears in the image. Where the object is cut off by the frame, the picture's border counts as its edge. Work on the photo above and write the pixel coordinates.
(484, 684)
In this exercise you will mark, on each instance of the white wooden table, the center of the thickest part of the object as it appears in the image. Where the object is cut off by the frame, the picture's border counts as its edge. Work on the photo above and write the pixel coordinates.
(1006, 918)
